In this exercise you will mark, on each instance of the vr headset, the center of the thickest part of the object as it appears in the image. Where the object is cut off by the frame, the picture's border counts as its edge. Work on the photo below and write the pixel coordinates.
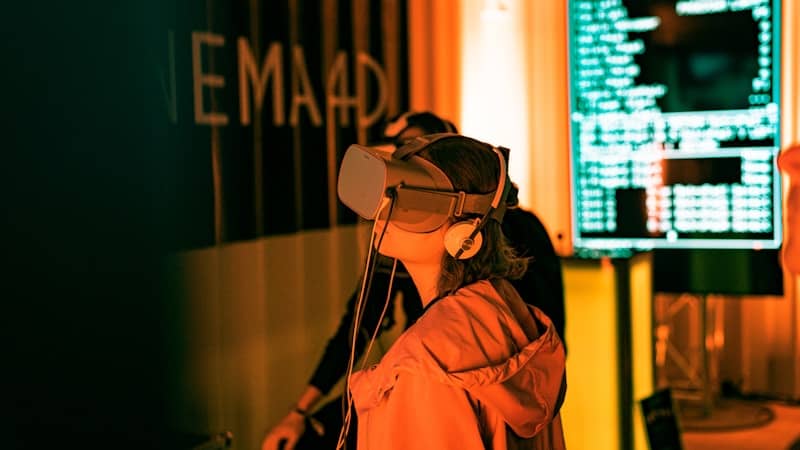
(423, 195)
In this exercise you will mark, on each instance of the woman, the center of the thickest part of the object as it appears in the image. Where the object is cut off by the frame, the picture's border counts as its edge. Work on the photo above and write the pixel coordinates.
(479, 369)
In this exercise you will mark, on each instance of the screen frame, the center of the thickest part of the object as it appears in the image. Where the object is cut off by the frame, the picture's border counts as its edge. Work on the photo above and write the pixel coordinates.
(595, 247)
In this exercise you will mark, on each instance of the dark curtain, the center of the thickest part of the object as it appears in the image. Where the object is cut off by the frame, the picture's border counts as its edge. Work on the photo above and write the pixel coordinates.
(106, 171)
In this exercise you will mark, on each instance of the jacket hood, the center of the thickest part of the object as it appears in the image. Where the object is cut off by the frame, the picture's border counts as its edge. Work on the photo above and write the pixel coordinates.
(463, 340)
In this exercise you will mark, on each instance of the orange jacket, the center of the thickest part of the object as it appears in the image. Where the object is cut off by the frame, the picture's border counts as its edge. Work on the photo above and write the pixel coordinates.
(474, 372)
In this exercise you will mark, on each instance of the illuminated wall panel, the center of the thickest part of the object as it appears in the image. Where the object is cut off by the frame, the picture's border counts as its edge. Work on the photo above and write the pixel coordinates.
(494, 94)
(591, 408)
(257, 317)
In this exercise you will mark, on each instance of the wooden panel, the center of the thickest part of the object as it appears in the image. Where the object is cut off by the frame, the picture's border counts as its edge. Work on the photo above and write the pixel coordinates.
(258, 315)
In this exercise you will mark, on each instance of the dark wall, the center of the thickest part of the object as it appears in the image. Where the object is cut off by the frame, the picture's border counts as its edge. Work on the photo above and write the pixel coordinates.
(105, 171)
(268, 172)
(713, 271)
(83, 219)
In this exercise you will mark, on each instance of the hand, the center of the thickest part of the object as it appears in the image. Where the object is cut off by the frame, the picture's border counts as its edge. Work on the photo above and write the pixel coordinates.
(285, 434)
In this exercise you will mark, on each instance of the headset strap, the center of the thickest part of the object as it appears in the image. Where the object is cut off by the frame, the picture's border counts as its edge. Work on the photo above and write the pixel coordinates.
(419, 143)
(496, 207)
(454, 204)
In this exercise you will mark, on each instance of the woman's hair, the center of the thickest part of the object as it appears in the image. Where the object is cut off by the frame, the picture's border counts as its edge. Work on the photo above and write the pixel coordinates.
(472, 167)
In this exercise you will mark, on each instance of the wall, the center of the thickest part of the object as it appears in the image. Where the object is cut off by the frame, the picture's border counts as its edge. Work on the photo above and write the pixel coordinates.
(434, 59)
(592, 411)
(256, 317)
(549, 100)
(591, 406)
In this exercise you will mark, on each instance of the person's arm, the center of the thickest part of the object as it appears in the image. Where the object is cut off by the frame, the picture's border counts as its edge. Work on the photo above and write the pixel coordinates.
(333, 363)
(308, 400)
(287, 432)
(331, 367)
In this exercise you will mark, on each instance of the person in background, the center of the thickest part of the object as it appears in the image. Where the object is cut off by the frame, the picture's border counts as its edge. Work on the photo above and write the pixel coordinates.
(789, 164)
(540, 286)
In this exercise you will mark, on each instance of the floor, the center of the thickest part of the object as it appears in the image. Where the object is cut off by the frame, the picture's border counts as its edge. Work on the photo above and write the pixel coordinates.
(779, 434)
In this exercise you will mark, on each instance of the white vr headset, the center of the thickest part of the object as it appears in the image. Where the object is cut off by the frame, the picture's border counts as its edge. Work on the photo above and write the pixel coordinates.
(424, 198)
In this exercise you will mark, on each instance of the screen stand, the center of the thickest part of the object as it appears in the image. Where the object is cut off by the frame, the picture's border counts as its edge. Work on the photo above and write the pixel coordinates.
(622, 280)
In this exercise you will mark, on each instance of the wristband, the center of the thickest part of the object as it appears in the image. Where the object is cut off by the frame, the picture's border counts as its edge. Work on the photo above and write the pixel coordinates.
(300, 411)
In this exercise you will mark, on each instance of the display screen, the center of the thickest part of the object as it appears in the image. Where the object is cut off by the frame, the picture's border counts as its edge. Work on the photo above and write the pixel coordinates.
(674, 120)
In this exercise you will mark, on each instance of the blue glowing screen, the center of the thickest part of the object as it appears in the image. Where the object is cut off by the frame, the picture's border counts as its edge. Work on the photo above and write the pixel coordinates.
(674, 121)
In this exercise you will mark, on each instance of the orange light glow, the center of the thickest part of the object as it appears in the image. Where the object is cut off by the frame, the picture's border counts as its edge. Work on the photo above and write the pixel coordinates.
(494, 94)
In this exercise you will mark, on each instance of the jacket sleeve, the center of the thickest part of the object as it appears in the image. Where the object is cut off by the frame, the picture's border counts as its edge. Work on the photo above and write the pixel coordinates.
(420, 414)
